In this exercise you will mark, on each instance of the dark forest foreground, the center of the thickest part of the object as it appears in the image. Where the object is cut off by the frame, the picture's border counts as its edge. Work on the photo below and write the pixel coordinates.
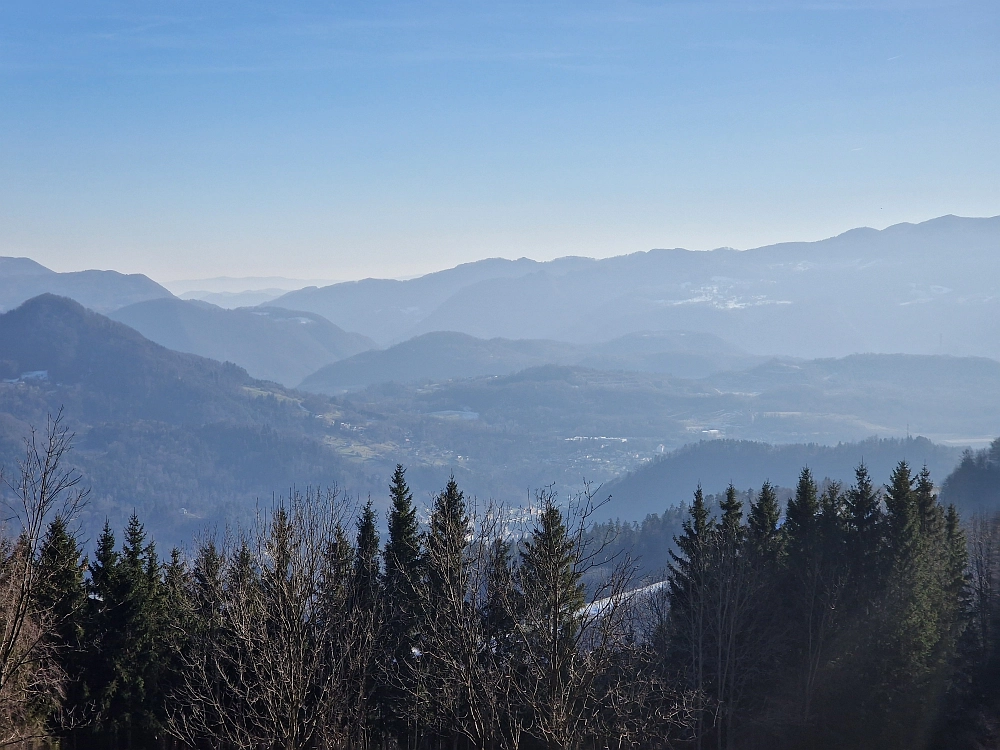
(863, 617)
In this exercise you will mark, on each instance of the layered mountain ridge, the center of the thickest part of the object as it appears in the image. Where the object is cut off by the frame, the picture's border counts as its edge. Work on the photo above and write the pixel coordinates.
(103, 291)
(929, 288)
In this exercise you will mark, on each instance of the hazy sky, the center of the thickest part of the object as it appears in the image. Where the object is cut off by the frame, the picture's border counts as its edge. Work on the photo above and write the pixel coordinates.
(340, 139)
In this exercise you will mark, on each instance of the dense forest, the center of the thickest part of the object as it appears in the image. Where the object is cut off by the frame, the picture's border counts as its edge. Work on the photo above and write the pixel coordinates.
(857, 617)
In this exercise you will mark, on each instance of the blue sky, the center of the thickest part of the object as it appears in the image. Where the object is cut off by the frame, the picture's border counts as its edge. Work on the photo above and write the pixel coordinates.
(339, 140)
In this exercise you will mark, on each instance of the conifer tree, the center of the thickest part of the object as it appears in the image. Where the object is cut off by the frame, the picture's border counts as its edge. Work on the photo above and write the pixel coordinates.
(366, 601)
(764, 634)
(730, 612)
(689, 581)
(206, 587)
(104, 569)
(135, 700)
(62, 600)
(447, 539)
(806, 590)
(101, 627)
(764, 537)
(447, 571)
(62, 591)
(801, 516)
(500, 605)
(403, 600)
(367, 569)
(909, 622)
(124, 664)
(863, 530)
(176, 622)
(552, 597)
(337, 574)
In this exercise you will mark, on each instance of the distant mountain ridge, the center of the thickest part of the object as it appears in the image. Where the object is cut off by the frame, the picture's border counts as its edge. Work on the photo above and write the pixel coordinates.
(929, 288)
(270, 343)
(103, 291)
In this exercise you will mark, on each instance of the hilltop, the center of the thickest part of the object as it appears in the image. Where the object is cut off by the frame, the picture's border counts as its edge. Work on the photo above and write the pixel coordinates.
(184, 440)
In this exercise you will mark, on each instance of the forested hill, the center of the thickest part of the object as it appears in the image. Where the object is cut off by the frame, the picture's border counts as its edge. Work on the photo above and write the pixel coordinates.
(714, 464)
(271, 343)
(185, 440)
(975, 484)
(446, 355)
(109, 371)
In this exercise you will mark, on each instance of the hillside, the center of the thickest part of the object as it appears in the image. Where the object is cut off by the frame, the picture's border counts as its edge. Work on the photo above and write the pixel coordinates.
(670, 480)
(270, 343)
(975, 483)
(184, 440)
(930, 288)
(189, 441)
(561, 424)
(444, 356)
(22, 278)
(436, 357)
(385, 309)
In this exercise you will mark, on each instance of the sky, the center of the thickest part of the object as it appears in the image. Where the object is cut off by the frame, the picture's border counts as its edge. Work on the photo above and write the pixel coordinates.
(338, 140)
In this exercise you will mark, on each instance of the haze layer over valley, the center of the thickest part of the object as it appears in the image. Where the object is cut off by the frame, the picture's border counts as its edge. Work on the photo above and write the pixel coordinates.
(514, 375)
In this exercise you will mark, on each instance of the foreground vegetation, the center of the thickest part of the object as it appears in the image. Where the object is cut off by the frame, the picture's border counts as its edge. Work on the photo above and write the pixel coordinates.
(858, 617)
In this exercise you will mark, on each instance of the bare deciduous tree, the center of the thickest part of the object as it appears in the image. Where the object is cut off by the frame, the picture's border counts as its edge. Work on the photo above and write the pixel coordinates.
(41, 489)
(281, 668)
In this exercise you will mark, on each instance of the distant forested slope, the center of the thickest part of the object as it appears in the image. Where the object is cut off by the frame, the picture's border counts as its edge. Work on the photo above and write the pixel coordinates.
(270, 343)
(182, 439)
(975, 483)
(714, 464)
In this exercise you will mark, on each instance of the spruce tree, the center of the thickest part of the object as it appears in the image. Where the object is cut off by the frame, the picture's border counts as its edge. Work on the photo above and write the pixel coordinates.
(62, 591)
(447, 572)
(764, 634)
(101, 636)
(864, 523)
(689, 581)
(551, 589)
(403, 602)
(729, 611)
(337, 574)
(447, 539)
(801, 517)
(139, 700)
(805, 589)
(367, 569)
(367, 605)
(104, 569)
(402, 560)
(763, 534)
(125, 668)
(909, 621)
(176, 624)
(552, 598)
(62, 600)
